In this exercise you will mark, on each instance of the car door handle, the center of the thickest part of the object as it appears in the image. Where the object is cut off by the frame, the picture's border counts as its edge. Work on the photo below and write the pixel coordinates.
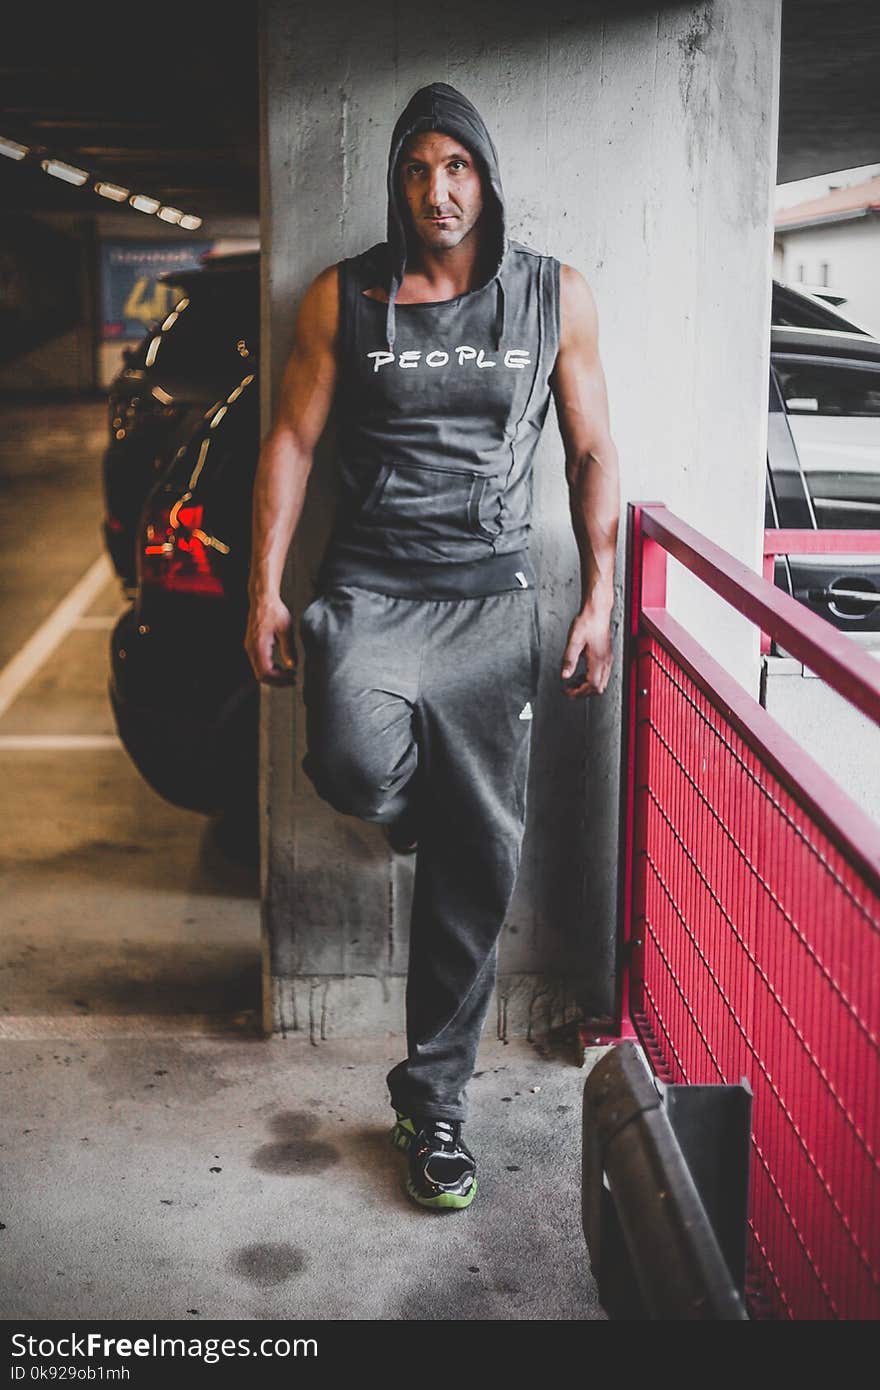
(829, 595)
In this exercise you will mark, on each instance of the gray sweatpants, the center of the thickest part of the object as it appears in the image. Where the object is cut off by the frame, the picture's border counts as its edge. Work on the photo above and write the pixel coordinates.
(431, 699)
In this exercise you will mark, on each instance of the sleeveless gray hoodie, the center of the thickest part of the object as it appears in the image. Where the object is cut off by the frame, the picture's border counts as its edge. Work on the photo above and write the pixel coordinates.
(440, 405)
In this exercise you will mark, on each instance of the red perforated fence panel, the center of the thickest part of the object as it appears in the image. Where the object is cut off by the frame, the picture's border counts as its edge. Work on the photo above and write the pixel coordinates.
(756, 954)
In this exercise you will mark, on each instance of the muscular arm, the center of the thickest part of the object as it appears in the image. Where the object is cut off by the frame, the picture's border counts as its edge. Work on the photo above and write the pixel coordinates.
(578, 384)
(283, 469)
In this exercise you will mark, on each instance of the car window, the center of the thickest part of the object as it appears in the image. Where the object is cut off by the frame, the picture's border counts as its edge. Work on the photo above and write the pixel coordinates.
(830, 389)
(793, 310)
(833, 411)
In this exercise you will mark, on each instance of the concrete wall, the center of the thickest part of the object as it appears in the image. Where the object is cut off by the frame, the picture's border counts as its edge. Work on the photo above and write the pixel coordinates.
(638, 144)
(851, 251)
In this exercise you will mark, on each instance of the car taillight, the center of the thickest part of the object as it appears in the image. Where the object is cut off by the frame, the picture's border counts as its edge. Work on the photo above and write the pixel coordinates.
(177, 554)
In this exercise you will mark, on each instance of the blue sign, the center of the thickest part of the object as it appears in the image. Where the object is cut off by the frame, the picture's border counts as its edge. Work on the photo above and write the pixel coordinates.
(132, 298)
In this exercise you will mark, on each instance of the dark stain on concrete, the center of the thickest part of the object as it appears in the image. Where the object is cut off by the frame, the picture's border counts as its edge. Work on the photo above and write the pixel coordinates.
(294, 1151)
(695, 75)
(272, 1262)
(139, 977)
(191, 1074)
(693, 40)
(294, 1122)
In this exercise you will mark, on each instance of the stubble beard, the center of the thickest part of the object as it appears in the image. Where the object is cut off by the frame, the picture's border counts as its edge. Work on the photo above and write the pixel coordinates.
(440, 239)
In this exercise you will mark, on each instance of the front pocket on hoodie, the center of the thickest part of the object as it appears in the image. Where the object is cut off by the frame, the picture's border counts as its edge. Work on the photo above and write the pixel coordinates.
(438, 504)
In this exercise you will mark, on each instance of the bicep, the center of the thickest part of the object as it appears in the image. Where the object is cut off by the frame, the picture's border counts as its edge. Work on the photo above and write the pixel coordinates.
(309, 380)
(578, 379)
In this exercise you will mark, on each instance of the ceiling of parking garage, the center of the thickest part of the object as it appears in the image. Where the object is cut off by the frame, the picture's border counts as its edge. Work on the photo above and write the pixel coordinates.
(829, 99)
(160, 98)
(164, 101)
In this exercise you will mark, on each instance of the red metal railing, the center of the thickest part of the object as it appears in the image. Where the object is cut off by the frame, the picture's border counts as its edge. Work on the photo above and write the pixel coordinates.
(752, 908)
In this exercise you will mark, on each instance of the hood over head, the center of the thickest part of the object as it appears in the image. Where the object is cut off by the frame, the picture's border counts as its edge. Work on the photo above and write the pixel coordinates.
(440, 107)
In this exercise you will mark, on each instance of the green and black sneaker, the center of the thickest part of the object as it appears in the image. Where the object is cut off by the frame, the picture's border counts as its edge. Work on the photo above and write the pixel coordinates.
(442, 1171)
(403, 1132)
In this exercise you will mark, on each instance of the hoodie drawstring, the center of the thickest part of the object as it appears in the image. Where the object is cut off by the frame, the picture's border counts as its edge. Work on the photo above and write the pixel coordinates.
(390, 317)
(498, 325)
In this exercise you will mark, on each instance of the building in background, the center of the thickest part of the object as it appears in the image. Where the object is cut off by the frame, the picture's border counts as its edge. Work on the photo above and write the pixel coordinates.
(831, 240)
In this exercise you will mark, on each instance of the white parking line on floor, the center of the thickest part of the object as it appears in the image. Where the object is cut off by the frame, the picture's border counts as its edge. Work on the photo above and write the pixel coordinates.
(40, 646)
(28, 743)
(98, 621)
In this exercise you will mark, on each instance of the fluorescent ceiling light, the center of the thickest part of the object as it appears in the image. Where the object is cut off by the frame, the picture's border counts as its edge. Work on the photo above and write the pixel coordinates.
(169, 214)
(12, 149)
(143, 203)
(242, 386)
(113, 191)
(68, 172)
(190, 222)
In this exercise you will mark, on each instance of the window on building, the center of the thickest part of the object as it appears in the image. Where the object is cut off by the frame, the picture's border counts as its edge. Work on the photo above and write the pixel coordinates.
(823, 273)
(800, 273)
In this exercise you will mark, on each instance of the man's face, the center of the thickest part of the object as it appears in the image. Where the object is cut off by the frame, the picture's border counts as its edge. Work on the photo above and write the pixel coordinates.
(441, 184)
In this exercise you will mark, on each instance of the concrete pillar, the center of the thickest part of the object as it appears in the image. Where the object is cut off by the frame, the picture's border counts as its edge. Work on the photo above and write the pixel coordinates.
(637, 143)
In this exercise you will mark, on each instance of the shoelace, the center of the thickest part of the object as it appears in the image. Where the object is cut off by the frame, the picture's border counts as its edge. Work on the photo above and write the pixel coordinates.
(442, 1132)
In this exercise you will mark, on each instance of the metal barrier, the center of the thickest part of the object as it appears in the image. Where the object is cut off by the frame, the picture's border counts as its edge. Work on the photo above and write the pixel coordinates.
(664, 1189)
(752, 922)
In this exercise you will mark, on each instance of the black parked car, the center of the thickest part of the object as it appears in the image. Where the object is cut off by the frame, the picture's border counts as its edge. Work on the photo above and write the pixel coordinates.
(183, 693)
(207, 342)
(823, 448)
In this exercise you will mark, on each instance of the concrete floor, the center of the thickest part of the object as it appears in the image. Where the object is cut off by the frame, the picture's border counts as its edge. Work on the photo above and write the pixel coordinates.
(160, 1159)
(222, 1177)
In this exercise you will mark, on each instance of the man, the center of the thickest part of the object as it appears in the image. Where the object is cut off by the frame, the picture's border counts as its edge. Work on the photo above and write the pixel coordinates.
(441, 347)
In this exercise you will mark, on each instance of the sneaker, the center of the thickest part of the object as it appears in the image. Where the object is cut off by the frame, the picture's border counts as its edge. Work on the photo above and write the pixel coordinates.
(403, 1132)
(442, 1171)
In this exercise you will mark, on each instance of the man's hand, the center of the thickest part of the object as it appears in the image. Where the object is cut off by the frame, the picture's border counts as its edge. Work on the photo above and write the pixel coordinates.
(590, 635)
(270, 620)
